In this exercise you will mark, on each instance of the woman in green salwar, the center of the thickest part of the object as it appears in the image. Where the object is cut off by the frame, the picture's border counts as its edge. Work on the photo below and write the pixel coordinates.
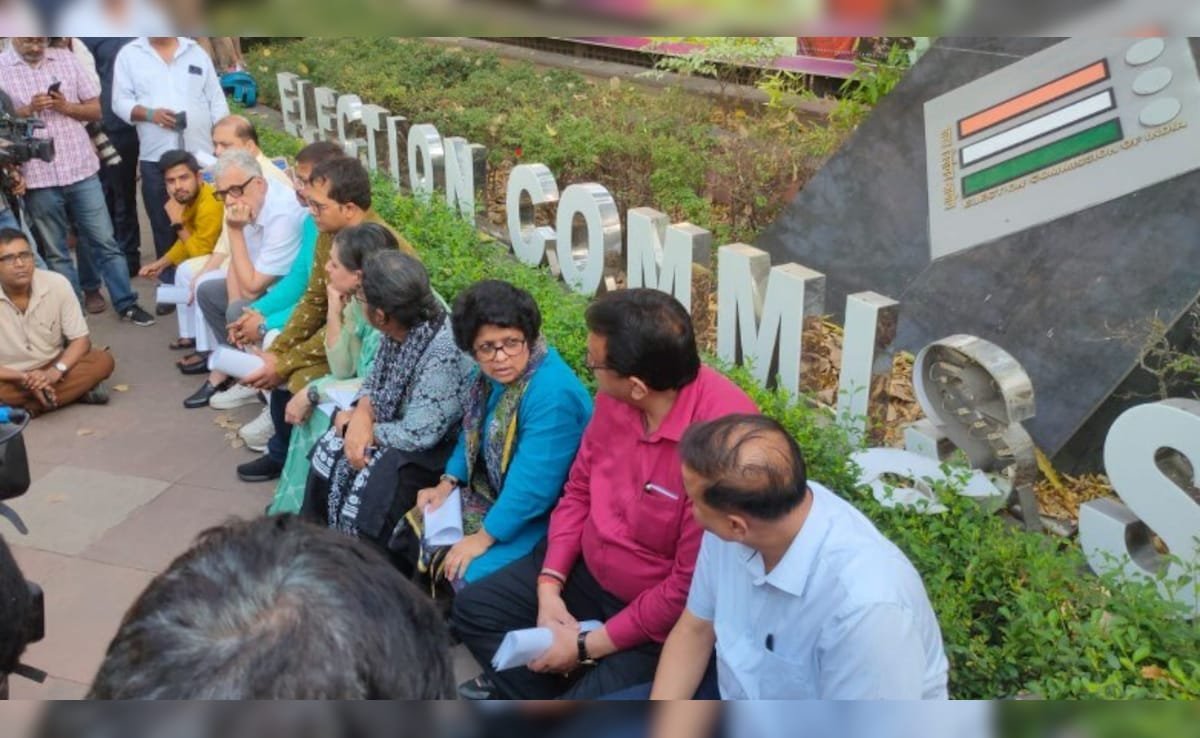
(350, 346)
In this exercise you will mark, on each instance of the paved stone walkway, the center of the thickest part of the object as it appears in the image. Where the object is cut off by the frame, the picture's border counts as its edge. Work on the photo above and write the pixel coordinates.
(118, 492)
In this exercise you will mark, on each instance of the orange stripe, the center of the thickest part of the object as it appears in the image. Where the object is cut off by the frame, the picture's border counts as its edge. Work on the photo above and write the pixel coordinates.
(1028, 101)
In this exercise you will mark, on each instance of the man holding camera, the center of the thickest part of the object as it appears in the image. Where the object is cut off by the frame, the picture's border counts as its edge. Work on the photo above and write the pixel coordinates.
(167, 88)
(51, 85)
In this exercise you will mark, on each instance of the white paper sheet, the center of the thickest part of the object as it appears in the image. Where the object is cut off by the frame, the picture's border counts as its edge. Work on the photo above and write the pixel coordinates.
(170, 295)
(444, 526)
(344, 399)
(233, 362)
(519, 647)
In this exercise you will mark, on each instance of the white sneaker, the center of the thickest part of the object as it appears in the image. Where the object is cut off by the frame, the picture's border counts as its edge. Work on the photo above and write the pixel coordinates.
(235, 396)
(257, 432)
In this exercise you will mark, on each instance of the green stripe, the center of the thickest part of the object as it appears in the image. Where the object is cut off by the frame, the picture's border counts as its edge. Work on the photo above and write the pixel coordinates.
(1040, 158)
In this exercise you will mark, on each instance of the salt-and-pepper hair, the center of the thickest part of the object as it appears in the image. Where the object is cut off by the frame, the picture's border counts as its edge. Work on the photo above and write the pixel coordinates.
(238, 159)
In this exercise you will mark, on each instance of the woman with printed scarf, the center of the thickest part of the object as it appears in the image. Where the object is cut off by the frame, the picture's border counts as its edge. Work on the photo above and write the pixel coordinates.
(524, 417)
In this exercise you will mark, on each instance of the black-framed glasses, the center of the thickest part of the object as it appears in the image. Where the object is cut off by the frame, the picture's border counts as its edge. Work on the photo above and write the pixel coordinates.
(511, 346)
(594, 367)
(234, 190)
(10, 259)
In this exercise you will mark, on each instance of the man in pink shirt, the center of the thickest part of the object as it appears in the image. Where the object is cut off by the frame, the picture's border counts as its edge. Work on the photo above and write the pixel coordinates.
(622, 542)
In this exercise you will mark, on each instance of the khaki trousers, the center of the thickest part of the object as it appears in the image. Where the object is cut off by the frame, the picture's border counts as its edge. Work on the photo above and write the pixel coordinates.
(96, 366)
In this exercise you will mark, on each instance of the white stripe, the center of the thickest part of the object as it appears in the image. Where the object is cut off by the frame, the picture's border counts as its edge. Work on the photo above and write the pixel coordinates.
(1037, 127)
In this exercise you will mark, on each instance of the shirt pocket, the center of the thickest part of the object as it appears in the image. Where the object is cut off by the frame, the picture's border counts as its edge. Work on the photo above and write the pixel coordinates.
(656, 522)
(49, 324)
(785, 677)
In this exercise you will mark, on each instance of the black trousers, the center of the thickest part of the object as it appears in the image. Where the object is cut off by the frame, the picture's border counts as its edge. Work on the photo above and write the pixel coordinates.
(154, 197)
(120, 190)
(507, 600)
(277, 447)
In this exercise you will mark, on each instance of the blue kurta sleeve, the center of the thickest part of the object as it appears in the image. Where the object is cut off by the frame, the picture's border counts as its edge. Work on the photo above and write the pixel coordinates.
(550, 424)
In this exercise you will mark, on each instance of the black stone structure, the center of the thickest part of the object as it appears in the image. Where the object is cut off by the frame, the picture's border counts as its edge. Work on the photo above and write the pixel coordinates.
(1054, 296)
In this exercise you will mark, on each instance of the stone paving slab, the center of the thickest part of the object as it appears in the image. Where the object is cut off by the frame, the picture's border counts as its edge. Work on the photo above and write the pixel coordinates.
(70, 507)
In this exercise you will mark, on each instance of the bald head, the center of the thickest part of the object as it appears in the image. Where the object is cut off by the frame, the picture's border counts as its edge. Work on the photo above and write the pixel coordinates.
(747, 464)
(235, 132)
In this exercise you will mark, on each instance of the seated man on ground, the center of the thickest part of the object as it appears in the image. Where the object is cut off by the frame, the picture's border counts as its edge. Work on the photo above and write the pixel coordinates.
(276, 608)
(367, 468)
(801, 596)
(525, 414)
(46, 358)
(350, 346)
(197, 217)
(265, 224)
(622, 542)
(339, 196)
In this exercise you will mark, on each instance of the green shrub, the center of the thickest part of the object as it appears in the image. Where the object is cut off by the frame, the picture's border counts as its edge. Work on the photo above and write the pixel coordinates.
(1019, 611)
(645, 145)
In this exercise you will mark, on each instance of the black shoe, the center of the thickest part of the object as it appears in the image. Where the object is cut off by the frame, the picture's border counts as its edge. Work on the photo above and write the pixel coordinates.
(165, 308)
(193, 368)
(200, 397)
(262, 469)
(479, 688)
(97, 395)
(137, 316)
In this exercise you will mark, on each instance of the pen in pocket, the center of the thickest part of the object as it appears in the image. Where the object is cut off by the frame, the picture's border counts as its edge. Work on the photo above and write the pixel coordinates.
(652, 487)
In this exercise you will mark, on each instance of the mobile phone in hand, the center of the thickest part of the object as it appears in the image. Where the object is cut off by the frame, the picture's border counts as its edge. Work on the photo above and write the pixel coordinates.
(54, 88)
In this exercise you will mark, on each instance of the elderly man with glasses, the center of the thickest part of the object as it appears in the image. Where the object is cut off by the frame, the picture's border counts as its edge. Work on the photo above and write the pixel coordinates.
(265, 225)
(46, 358)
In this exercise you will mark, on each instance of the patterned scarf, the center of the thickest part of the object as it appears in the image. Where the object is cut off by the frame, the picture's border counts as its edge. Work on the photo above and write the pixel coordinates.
(393, 375)
(497, 440)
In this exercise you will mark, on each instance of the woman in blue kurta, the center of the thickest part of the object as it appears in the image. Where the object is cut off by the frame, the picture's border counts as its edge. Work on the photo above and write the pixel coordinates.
(524, 417)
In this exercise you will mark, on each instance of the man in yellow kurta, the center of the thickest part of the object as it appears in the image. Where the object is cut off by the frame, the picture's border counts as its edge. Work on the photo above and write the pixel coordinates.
(197, 217)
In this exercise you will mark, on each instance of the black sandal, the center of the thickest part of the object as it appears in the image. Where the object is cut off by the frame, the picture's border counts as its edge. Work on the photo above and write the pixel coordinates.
(182, 344)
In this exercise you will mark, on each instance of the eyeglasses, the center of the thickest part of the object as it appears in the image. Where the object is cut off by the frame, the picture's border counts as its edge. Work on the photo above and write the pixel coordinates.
(235, 190)
(510, 346)
(318, 207)
(24, 256)
(594, 367)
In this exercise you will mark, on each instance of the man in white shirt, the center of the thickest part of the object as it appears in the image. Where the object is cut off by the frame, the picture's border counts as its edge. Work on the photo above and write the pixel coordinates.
(155, 79)
(799, 593)
(265, 224)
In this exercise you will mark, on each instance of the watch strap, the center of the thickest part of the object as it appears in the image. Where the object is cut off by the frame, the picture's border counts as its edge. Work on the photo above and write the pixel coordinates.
(581, 642)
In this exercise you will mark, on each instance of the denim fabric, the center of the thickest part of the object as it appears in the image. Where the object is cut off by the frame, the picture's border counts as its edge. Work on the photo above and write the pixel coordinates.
(154, 196)
(53, 209)
(8, 219)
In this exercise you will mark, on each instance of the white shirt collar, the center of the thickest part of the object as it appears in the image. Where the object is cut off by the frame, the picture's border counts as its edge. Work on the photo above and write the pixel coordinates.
(792, 572)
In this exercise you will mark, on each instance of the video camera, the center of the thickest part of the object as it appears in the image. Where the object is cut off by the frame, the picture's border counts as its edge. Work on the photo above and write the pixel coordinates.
(17, 142)
(30, 624)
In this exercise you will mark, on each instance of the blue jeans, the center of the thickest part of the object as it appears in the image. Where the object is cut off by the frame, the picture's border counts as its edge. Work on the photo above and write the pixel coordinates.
(8, 219)
(53, 209)
(154, 197)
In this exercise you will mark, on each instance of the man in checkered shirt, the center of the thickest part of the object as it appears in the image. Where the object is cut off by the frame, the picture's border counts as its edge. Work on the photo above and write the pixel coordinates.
(51, 85)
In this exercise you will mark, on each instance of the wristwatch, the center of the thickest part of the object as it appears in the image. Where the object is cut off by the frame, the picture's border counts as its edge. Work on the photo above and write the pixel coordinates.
(177, 226)
(314, 395)
(453, 480)
(62, 368)
(262, 330)
(584, 659)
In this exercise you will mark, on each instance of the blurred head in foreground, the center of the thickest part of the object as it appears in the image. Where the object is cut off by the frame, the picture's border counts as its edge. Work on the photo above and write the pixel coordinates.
(277, 608)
